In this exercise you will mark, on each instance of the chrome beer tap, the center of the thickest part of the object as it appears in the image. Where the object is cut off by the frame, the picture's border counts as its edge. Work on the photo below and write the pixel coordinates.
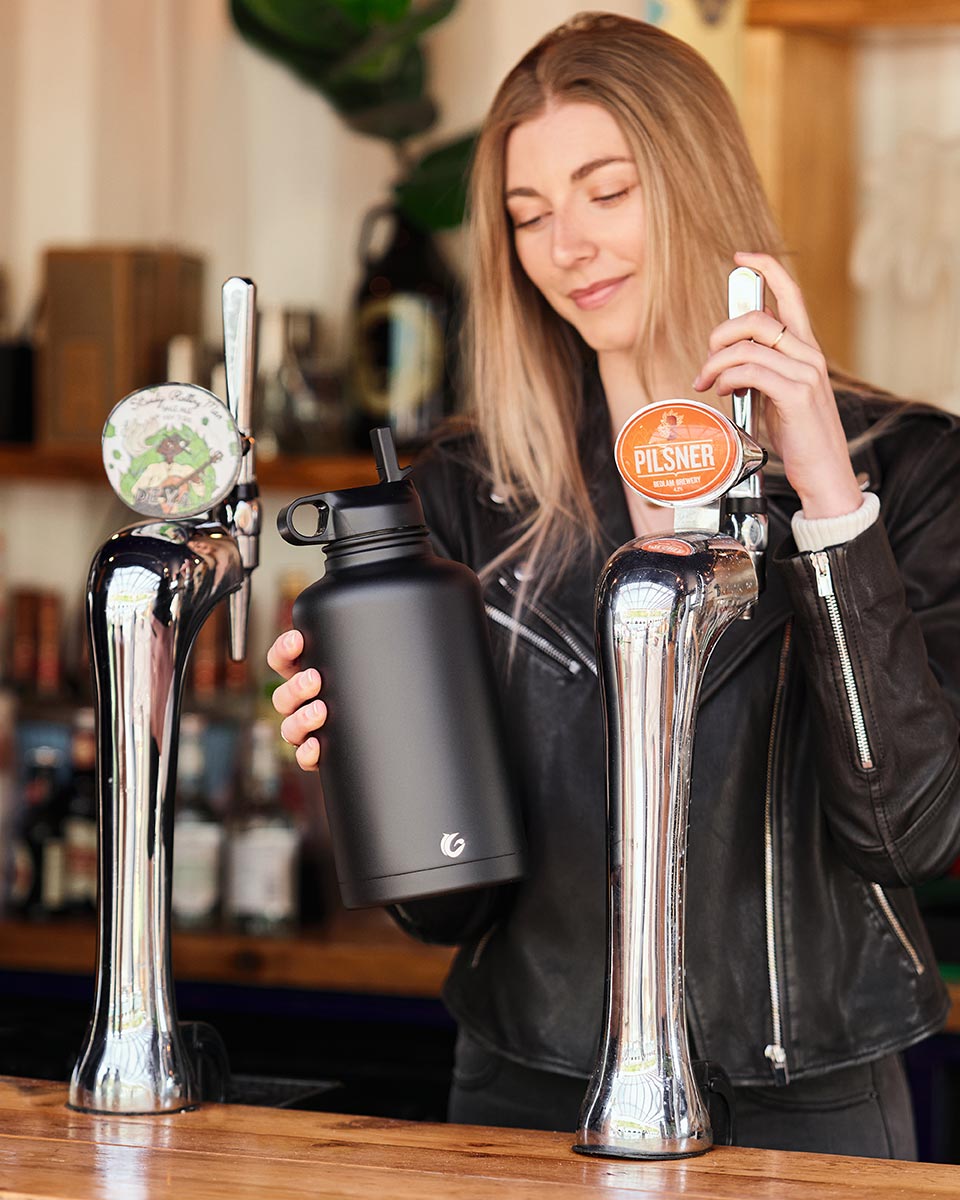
(662, 603)
(176, 454)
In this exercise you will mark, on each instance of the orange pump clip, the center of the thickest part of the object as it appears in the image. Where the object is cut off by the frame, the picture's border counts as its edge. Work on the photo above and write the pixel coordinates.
(679, 452)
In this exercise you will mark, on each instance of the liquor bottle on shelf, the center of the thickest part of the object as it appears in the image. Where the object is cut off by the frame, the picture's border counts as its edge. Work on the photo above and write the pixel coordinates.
(8, 790)
(49, 678)
(80, 818)
(262, 847)
(403, 344)
(300, 403)
(36, 666)
(197, 836)
(38, 859)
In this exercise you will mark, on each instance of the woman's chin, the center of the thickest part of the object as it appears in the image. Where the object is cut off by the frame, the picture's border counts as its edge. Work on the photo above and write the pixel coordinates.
(607, 341)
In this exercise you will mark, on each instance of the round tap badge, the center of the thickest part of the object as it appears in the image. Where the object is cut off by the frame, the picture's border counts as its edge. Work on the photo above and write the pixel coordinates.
(172, 450)
(679, 452)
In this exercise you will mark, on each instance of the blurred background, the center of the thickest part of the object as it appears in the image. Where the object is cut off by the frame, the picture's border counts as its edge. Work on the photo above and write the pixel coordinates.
(151, 148)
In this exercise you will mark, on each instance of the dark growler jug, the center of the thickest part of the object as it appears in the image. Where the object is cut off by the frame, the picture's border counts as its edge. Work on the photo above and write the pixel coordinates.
(413, 765)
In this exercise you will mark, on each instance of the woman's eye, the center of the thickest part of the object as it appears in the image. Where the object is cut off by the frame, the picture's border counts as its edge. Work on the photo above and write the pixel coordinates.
(613, 196)
(530, 223)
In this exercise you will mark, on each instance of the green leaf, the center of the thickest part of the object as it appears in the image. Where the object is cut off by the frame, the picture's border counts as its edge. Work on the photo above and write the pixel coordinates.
(433, 196)
(326, 27)
(311, 62)
(362, 55)
(382, 52)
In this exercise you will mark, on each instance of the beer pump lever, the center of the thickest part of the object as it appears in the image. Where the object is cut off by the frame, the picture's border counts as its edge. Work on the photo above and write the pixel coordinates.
(662, 603)
(184, 460)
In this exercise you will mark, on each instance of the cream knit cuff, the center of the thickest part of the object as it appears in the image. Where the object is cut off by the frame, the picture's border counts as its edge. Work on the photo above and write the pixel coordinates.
(821, 532)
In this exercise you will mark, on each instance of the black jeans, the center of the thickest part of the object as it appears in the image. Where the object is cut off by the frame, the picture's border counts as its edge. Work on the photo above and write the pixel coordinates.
(862, 1110)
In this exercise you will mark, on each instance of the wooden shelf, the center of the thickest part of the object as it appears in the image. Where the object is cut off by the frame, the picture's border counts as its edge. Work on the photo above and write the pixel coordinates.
(851, 14)
(360, 951)
(317, 473)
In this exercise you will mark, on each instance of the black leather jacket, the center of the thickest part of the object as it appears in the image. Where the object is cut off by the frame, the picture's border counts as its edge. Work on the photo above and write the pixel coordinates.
(820, 794)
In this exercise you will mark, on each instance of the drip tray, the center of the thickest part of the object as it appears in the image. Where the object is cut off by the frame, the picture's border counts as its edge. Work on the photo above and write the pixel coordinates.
(270, 1092)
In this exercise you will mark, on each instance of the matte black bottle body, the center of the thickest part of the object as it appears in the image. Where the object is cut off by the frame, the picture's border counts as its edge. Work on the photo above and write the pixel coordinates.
(413, 764)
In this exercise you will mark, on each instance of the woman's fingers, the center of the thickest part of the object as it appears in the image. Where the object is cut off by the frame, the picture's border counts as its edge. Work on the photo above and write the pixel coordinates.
(740, 353)
(308, 755)
(296, 728)
(295, 699)
(293, 694)
(283, 654)
(790, 305)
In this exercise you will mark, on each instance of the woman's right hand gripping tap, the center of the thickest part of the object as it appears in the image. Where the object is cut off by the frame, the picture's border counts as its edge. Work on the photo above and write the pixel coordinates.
(296, 700)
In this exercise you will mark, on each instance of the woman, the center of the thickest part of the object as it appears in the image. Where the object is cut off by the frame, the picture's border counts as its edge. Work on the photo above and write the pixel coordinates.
(612, 192)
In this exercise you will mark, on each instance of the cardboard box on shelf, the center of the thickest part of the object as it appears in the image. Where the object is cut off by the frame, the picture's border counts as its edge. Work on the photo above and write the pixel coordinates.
(109, 313)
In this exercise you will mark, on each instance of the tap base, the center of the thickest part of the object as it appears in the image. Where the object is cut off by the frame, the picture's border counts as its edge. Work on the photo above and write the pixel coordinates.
(602, 1150)
(104, 1110)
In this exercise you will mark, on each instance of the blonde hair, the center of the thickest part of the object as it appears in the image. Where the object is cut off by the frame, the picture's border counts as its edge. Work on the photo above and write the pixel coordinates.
(703, 200)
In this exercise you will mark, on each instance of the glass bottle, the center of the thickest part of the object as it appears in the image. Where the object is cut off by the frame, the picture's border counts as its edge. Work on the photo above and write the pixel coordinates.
(404, 337)
(198, 836)
(80, 818)
(263, 846)
(37, 886)
(8, 791)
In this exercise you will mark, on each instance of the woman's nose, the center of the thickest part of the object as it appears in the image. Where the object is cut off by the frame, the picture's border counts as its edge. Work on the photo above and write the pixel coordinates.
(570, 244)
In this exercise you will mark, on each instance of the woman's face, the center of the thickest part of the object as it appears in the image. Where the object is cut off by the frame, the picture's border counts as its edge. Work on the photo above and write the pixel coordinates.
(573, 197)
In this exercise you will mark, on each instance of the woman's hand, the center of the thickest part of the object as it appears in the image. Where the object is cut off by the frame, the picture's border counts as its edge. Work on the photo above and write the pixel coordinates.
(296, 700)
(781, 358)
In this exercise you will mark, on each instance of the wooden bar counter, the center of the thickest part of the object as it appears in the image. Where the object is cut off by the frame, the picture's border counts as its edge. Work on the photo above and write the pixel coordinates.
(220, 1151)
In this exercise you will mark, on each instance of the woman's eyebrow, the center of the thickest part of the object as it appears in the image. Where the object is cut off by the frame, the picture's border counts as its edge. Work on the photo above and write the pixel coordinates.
(594, 164)
(575, 177)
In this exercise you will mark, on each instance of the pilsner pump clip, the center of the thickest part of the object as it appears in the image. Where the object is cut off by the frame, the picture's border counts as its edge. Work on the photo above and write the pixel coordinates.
(414, 768)
(662, 603)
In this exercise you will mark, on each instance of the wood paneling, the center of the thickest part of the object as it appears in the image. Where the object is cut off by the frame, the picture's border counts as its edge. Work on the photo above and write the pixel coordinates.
(798, 114)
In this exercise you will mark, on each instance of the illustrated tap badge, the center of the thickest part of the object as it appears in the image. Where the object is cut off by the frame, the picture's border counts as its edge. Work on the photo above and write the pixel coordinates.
(172, 450)
(683, 453)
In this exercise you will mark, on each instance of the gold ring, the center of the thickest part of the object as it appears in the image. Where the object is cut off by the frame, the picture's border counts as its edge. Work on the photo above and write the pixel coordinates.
(776, 340)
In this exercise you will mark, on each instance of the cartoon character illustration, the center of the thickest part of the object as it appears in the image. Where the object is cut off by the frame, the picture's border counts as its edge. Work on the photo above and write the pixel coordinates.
(163, 486)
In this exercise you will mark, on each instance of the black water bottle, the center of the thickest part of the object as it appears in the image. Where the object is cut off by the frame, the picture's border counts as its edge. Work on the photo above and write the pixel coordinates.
(413, 765)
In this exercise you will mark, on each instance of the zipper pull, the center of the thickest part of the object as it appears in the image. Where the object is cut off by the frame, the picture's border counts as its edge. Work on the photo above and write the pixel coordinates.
(777, 1057)
(821, 564)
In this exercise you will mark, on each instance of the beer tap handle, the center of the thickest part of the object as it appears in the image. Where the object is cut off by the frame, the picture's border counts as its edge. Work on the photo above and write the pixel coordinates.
(745, 294)
(745, 507)
(243, 506)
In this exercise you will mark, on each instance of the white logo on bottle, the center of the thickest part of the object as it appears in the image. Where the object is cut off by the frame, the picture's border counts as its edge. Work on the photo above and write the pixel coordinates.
(452, 845)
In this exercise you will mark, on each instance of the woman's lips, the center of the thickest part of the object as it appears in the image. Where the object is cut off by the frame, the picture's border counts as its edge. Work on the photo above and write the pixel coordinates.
(597, 294)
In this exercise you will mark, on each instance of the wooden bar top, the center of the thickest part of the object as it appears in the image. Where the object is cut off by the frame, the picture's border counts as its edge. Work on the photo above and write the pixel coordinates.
(50, 1153)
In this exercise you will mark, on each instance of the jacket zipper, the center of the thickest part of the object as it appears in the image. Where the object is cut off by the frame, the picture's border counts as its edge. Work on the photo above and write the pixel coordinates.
(887, 909)
(825, 589)
(572, 665)
(774, 1052)
(568, 640)
(821, 565)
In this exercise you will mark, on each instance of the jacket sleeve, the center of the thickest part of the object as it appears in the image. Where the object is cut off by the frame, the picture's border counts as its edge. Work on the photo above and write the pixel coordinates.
(441, 483)
(878, 627)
